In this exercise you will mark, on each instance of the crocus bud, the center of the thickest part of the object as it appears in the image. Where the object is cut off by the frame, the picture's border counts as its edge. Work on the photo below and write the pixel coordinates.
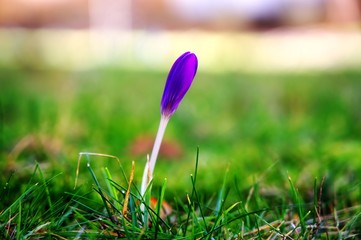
(179, 80)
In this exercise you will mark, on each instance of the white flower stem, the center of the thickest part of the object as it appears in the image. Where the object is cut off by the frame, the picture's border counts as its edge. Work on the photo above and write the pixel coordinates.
(149, 166)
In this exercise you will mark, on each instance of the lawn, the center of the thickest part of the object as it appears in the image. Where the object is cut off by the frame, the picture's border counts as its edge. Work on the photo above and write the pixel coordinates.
(245, 156)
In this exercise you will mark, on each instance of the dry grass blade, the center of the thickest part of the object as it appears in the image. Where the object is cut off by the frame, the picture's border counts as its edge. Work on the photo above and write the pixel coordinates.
(127, 194)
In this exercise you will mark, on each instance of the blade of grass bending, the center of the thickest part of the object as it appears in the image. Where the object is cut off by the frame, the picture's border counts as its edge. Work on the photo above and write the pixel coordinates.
(90, 154)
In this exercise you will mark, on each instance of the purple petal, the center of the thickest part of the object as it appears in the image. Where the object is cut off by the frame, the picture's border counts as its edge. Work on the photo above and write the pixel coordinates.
(179, 80)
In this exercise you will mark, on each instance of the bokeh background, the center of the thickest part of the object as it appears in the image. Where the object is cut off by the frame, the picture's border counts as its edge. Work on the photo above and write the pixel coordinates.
(227, 35)
(278, 89)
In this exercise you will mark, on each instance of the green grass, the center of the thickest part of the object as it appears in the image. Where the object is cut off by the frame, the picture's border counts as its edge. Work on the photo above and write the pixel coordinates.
(279, 155)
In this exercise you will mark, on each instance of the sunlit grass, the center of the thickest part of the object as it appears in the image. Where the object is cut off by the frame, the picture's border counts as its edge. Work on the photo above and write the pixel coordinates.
(279, 155)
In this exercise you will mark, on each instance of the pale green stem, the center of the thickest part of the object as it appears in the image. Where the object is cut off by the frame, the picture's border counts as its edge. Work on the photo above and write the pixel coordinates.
(149, 166)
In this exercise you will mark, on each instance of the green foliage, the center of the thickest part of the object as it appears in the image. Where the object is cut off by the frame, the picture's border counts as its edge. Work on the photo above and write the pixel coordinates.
(265, 141)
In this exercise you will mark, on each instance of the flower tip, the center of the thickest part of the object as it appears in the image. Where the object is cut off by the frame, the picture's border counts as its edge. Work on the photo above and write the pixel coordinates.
(178, 82)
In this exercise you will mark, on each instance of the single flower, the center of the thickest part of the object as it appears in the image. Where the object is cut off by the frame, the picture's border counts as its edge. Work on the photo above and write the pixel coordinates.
(179, 80)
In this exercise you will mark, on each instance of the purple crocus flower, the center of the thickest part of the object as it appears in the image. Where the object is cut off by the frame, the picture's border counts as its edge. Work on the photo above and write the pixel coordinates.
(179, 80)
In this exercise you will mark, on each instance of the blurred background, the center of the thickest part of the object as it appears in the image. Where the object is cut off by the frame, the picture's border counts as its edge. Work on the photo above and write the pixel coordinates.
(227, 35)
(278, 84)
(177, 14)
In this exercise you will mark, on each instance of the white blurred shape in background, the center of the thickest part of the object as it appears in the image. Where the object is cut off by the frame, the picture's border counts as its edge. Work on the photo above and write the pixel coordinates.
(110, 14)
(106, 17)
